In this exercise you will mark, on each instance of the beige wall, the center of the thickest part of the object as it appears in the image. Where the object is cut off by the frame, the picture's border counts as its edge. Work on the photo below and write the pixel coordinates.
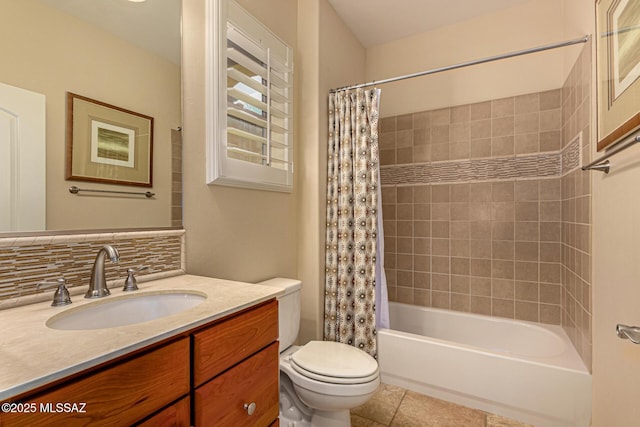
(309, 257)
(530, 24)
(329, 56)
(616, 291)
(232, 233)
(49, 52)
(578, 19)
(616, 268)
(615, 240)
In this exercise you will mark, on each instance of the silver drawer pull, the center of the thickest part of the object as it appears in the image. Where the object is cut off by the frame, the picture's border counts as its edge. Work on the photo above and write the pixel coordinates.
(632, 333)
(250, 407)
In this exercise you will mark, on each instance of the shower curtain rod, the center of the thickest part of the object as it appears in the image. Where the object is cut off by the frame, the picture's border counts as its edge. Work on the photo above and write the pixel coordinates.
(466, 64)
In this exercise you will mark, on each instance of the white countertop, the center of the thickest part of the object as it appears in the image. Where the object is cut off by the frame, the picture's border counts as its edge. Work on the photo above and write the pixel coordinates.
(32, 355)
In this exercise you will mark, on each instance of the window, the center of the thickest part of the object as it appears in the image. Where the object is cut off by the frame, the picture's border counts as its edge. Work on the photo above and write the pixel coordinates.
(249, 101)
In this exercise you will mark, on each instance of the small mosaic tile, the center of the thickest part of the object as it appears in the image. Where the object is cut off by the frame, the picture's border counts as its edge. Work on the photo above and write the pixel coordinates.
(541, 165)
(27, 261)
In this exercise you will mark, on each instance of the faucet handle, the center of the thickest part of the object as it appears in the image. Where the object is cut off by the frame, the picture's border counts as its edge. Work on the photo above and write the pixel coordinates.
(131, 284)
(61, 296)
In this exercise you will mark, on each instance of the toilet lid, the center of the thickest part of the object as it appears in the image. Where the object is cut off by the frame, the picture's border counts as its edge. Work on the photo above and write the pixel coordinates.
(335, 361)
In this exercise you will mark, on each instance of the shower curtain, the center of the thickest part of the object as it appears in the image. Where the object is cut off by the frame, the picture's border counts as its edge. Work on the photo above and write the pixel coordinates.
(353, 291)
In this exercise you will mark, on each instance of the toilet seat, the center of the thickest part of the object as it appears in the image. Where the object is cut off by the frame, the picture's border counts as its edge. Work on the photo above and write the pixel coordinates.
(333, 380)
(335, 363)
(325, 387)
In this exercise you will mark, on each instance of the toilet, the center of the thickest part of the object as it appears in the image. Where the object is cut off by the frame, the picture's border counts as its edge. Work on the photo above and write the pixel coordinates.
(321, 380)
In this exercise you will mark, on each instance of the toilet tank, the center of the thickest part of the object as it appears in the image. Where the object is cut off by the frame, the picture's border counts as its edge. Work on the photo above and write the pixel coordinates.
(288, 309)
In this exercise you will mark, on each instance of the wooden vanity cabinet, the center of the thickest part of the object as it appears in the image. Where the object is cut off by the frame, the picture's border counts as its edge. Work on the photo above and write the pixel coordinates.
(125, 392)
(236, 369)
(203, 378)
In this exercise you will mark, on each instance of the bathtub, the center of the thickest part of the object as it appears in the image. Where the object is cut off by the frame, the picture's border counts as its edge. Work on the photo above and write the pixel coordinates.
(521, 370)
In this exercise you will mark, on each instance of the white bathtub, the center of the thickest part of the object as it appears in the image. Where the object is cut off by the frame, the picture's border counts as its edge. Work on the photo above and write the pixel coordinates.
(521, 370)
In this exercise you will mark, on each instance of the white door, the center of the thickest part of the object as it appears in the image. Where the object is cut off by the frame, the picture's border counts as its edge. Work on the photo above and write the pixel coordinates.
(616, 291)
(22, 160)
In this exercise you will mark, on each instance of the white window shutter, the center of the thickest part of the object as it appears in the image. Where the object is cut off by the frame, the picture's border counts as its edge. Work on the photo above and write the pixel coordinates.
(250, 81)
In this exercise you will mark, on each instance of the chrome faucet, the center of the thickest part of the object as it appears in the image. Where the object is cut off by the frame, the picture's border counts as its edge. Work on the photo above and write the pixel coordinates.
(98, 284)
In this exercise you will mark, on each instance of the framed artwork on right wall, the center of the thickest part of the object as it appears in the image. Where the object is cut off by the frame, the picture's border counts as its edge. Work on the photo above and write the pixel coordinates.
(618, 68)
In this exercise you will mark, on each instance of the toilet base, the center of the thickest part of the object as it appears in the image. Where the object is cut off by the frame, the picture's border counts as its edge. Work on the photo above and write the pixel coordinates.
(294, 413)
(286, 421)
(319, 419)
(331, 419)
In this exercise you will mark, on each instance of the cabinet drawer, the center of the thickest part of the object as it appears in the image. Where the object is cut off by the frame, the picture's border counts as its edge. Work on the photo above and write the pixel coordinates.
(127, 392)
(176, 415)
(227, 343)
(221, 401)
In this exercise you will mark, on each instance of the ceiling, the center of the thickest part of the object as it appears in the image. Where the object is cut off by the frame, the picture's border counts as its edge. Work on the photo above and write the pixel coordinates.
(153, 24)
(376, 22)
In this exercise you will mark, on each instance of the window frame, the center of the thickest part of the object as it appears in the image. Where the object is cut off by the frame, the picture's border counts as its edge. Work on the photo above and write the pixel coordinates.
(222, 169)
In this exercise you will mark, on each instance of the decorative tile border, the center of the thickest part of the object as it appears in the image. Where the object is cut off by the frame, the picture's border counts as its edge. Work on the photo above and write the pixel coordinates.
(26, 261)
(571, 155)
(535, 166)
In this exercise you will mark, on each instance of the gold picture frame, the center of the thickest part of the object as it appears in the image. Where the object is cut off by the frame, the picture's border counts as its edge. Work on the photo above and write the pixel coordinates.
(108, 144)
(618, 69)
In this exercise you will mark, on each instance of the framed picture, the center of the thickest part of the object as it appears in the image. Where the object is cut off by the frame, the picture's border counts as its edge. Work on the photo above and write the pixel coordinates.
(108, 144)
(618, 65)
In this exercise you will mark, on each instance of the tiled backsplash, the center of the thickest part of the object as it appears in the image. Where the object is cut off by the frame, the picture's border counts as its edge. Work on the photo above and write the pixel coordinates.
(26, 261)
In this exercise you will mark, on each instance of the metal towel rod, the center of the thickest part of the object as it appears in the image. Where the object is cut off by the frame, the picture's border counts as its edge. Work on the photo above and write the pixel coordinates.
(602, 164)
(631, 333)
(75, 190)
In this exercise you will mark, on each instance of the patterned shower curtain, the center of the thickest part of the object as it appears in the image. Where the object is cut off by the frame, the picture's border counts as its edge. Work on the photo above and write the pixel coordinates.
(352, 203)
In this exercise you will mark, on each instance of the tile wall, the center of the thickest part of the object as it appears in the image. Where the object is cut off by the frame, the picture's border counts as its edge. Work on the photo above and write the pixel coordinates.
(576, 210)
(483, 235)
(176, 178)
(486, 209)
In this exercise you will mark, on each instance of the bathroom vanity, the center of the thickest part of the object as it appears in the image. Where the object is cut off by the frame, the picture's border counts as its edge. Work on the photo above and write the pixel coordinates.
(214, 364)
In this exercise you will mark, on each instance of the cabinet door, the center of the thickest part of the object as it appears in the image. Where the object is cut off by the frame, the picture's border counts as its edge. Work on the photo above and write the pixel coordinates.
(119, 395)
(228, 342)
(221, 401)
(176, 415)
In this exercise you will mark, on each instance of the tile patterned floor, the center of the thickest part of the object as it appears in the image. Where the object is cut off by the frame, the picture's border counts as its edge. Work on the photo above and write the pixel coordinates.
(393, 406)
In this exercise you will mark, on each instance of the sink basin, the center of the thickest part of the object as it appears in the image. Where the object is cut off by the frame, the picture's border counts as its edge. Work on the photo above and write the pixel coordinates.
(125, 310)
